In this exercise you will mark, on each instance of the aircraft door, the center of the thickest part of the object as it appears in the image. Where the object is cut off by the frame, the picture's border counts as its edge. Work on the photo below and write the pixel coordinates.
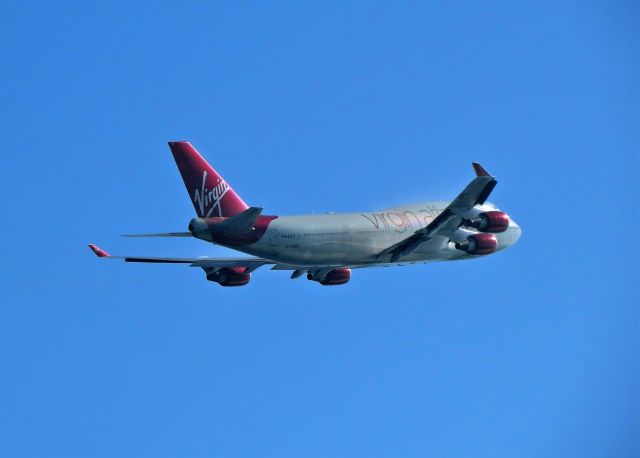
(274, 237)
(347, 235)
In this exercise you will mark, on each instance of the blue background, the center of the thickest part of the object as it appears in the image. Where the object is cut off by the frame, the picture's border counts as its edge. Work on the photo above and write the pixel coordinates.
(313, 108)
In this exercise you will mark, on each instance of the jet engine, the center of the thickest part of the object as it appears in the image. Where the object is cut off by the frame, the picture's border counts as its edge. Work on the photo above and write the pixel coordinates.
(333, 277)
(492, 221)
(229, 276)
(478, 244)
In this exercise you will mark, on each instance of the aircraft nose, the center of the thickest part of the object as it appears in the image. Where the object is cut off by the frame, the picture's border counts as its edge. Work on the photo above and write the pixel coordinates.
(515, 230)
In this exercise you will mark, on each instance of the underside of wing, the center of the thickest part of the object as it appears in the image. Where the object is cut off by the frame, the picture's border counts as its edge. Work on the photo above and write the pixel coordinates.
(160, 234)
(225, 271)
(237, 271)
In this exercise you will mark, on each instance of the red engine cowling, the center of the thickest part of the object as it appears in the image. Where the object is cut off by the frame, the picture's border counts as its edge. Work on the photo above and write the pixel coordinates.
(478, 244)
(334, 277)
(492, 221)
(230, 276)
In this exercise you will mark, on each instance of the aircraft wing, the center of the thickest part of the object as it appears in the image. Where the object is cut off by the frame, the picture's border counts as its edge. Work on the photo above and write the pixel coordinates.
(214, 266)
(447, 222)
(250, 264)
(160, 234)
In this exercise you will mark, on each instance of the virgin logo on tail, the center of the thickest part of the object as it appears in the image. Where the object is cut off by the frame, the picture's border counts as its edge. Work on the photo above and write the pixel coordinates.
(209, 199)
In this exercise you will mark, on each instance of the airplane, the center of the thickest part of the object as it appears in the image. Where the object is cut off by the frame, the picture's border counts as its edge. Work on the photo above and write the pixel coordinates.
(326, 247)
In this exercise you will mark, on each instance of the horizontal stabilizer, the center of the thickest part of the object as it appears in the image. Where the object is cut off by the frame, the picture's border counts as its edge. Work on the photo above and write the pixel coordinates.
(240, 223)
(160, 234)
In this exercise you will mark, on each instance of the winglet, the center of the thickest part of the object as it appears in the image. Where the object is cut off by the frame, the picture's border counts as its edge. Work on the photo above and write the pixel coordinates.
(480, 171)
(98, 251)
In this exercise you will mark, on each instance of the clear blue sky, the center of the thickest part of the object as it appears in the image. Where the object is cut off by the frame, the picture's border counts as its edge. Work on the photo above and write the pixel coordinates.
(311, 108)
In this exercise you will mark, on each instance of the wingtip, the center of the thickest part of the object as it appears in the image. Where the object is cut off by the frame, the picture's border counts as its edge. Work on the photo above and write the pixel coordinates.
(480, 171)
(99, 252)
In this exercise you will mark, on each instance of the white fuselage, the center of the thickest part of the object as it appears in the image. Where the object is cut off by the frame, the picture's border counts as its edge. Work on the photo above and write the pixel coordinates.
(356, 239)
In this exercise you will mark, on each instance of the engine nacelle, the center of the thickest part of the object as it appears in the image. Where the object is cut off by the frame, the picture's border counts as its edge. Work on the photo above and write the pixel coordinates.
(492, 221)
(478, 244)
(334, 277)
(230, 276)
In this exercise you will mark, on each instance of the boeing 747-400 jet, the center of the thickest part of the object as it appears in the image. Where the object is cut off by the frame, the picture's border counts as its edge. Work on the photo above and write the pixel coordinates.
(327, 247)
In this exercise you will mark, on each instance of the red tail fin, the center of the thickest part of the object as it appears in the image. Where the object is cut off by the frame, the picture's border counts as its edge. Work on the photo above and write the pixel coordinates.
(211, 195)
